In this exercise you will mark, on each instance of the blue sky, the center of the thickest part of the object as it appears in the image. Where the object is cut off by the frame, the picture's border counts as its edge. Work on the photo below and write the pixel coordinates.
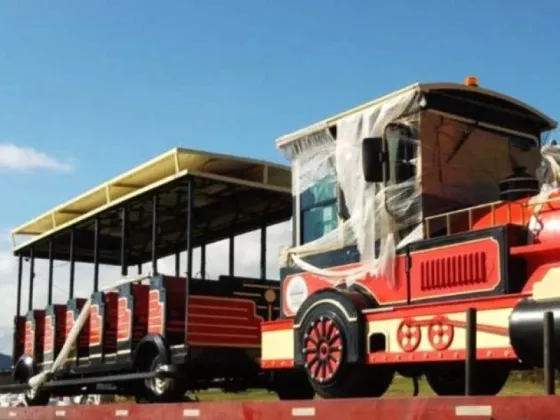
(104, 85)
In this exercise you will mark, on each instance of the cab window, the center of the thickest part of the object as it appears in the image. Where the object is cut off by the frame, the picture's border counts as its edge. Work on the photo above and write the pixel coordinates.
(319, 209)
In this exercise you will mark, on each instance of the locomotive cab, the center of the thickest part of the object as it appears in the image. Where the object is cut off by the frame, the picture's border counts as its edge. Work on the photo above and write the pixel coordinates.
(423, 151)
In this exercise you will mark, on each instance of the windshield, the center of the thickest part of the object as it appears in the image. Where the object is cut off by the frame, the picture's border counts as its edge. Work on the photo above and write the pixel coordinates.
(402, 150)
(523, 153)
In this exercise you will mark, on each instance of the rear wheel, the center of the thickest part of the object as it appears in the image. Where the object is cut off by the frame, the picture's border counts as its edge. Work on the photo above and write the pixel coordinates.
(324, 343)
(449, 379)
(161, 389)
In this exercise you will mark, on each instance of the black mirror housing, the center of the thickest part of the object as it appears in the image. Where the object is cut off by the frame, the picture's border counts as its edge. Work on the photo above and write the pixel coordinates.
(373, 159)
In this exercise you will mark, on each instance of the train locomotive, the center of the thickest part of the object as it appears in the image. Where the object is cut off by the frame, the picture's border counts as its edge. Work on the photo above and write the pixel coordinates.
(411, 211)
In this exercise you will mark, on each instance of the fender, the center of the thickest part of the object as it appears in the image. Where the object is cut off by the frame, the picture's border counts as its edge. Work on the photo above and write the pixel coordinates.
(23, 369)
(152, 343)
(351, 303)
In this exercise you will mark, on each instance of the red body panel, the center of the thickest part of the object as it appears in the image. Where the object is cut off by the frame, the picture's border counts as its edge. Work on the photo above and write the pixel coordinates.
(35, 334)
(81, 349)
(133, 323)
(55, 332)
(103, 326)
(213, 321)
(458, 269)
(451, 270)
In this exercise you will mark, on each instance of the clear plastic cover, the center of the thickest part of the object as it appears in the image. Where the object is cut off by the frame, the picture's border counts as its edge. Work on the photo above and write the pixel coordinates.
(380, 218)
(549, 171)
(548, 175)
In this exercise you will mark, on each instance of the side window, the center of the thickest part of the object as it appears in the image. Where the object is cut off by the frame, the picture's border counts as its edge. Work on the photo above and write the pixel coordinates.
(319, 209)
(406, 152)
(401, 151)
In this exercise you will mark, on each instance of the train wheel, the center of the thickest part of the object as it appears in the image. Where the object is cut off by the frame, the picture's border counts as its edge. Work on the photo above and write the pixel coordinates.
(24, 370)
(449, 379)
(160, 390)
(292, 385)
(324, 346)
(36, 397)
(297, 391)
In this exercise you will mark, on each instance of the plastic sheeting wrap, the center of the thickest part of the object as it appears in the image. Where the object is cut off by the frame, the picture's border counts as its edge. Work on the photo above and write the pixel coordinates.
(549, 171)
(548, 175)
(458, 164)
(376, 212)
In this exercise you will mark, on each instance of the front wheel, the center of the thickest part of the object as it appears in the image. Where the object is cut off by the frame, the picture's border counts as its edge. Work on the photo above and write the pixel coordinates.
(325, 342)
(292, 385)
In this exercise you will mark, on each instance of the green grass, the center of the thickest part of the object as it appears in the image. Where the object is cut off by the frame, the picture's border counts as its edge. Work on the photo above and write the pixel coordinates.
(401, 387)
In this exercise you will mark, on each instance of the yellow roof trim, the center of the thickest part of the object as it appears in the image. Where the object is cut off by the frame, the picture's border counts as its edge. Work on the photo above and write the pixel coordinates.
(159, 171)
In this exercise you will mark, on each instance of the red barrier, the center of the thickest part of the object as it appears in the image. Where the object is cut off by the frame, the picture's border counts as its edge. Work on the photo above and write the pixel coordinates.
(474, 408)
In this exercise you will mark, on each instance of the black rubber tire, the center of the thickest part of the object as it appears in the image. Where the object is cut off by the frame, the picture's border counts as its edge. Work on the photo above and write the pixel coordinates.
(449, 379)
(292, 385)
(41, 398)
(175, 393)
(350, 380)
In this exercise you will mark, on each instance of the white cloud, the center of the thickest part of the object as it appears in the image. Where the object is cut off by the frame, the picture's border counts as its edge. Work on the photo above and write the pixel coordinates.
(23, 159)
(247, 263)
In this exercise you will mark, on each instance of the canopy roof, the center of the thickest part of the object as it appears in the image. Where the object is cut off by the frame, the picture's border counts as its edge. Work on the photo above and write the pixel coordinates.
(450, 92)
(226, 187)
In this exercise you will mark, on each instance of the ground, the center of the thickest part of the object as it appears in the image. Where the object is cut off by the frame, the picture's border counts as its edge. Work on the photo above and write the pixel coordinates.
(401, 387)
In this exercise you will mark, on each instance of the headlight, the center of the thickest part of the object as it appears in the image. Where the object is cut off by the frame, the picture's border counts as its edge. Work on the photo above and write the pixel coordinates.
(296, 293)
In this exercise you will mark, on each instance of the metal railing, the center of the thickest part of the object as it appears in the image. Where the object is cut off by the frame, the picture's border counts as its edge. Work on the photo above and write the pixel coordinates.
(467, 215)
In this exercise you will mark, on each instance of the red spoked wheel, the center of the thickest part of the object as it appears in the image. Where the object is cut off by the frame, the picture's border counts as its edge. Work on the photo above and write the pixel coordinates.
(409, 335)
(440, 333)
(323, 349)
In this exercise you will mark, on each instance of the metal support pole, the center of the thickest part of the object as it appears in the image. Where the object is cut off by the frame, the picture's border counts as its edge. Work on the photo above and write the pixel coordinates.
(189, 246)
(470, 359)
(189, 236)
(51, 272)
(124, 241)
(203, 261)
(177, 264)
(31, 278)
(231, 257)
(72, 266)
(96, 255)
(155, 205)
(19, 283)
(263, 252)
(548, 356)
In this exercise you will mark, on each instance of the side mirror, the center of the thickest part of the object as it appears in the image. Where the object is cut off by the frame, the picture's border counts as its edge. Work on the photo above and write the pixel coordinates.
(373, 159)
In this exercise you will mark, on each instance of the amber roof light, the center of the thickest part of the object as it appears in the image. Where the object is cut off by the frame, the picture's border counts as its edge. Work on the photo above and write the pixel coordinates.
(471, 81)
